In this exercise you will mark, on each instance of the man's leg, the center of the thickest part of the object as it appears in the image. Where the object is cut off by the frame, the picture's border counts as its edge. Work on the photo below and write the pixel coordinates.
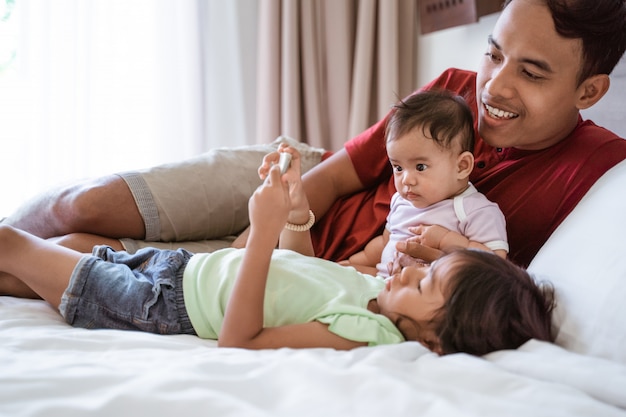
(199, 199)
(104, 206)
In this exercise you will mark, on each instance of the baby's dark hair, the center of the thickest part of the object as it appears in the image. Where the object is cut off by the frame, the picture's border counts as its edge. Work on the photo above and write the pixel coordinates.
(492, 304)
(599, 24)
(440, 114)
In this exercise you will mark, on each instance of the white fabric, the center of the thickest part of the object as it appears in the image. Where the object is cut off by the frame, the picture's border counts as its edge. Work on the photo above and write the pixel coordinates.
(470, 214)
(585, 259)
(50, 369)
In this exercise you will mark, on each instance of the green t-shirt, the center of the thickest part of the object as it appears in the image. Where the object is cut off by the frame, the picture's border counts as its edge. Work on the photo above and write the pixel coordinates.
(300, 289)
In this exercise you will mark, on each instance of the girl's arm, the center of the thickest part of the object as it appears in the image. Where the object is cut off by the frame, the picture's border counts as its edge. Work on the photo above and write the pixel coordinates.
(299, 213)
(270, 208)
(325, 183)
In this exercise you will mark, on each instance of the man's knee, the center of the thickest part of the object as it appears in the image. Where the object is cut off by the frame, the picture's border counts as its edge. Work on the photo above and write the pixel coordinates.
(94, 206)
(77, 205)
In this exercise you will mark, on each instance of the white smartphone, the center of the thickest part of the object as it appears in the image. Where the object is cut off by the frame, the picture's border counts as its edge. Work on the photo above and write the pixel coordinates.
(284, 162)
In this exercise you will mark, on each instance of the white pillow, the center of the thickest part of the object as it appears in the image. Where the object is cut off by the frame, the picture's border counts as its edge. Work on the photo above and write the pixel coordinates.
(585, 259)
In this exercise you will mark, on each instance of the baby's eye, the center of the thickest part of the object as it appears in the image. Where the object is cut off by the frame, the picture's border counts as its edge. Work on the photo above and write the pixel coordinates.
(421, 167)
(397, 168)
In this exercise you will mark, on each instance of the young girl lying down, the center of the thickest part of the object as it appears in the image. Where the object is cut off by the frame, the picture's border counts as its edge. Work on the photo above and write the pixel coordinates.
(263, 297)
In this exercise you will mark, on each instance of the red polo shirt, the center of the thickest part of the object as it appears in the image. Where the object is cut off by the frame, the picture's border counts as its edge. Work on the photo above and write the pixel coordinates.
(535, 190)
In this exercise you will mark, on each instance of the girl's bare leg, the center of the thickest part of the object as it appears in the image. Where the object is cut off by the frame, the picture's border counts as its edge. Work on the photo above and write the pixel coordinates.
(81, 242)
(42, 266)
(9, 285)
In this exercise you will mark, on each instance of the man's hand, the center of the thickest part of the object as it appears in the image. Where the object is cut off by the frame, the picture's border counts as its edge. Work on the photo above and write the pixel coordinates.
(416, 250)
(410, 253)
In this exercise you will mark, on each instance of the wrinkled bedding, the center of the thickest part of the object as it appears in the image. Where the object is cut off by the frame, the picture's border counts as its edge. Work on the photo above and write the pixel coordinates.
(48, 368)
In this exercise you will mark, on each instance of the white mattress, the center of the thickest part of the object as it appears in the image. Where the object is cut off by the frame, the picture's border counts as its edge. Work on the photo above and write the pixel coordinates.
(48, 368)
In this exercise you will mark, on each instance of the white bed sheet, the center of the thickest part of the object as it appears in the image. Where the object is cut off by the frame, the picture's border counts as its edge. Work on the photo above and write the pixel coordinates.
(48, 368)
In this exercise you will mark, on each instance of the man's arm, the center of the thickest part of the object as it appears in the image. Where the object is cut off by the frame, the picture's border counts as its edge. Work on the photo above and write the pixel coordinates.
(330, 180)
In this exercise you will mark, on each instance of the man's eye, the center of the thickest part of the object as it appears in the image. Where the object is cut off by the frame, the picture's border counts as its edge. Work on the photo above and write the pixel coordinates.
(531, 76)
(492, 57)
(421, 167)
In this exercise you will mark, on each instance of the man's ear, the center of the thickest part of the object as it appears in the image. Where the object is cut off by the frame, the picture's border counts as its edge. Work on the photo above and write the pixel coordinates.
(591, 90)
(465, 164)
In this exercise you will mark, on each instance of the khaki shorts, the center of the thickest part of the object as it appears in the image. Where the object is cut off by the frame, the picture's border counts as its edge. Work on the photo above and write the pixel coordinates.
(201, 204)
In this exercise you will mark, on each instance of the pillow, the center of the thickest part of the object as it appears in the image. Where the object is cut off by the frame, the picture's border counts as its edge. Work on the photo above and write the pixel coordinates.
(585, 259)
(231, 178)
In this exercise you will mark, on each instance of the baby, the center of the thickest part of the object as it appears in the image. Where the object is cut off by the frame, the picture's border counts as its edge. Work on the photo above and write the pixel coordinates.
(430, 139)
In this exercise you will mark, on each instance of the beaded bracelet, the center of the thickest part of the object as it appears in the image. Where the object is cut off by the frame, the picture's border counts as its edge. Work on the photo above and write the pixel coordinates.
(301, 227)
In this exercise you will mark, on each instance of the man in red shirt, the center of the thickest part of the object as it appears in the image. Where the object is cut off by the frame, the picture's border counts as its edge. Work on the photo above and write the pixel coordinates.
(545, 61)
(535, 156)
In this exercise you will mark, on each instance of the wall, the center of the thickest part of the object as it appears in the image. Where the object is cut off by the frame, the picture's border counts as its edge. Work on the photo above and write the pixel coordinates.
(460, 47)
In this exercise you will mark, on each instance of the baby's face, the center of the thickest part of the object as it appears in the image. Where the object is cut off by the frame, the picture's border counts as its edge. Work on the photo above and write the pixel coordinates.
(424, 173)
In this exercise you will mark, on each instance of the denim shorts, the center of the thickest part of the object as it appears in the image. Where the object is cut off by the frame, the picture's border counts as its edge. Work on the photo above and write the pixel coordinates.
(116, 290)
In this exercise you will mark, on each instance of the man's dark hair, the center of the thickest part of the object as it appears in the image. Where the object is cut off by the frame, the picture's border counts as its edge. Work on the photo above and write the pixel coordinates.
(599, 24)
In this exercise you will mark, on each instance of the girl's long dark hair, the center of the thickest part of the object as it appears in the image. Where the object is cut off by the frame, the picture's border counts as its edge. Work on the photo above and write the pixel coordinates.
(492, 304)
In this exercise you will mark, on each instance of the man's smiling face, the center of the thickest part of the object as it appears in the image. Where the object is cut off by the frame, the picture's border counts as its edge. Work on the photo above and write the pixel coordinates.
(526, 87)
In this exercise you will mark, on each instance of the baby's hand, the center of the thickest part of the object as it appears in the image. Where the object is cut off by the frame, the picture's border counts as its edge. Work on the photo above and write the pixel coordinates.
(429, 235)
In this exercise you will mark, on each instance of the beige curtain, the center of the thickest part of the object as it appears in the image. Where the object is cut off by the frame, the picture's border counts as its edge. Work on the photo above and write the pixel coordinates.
(328, 69)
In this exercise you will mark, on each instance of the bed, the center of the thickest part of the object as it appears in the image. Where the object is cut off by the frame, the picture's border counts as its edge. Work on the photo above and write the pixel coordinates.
(48, 368)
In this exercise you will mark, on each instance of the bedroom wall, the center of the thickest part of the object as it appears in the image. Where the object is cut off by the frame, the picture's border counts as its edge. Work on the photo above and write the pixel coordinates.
(463, 47)
(460, 47)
